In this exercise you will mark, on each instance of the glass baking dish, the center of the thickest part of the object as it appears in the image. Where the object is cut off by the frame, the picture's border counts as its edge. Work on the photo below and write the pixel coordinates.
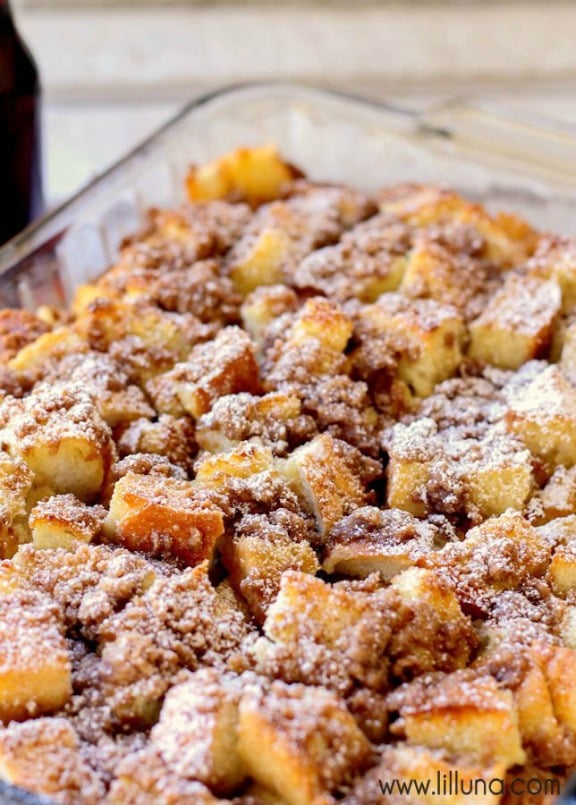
(489, 154)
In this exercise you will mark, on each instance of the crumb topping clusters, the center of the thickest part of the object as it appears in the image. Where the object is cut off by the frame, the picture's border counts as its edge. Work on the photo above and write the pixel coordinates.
(288, 503)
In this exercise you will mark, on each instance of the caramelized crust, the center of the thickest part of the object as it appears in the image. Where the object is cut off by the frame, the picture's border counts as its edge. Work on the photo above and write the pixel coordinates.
(288, 504)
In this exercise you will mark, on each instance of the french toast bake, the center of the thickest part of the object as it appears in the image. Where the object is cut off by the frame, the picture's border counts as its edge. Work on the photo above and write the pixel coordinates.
(288, 506)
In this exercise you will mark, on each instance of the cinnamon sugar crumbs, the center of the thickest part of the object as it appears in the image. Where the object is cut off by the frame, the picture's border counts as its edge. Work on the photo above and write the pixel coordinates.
(340, 518)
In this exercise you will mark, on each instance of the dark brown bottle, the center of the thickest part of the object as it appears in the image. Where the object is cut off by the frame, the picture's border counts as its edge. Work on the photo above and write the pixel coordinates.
(20, 149)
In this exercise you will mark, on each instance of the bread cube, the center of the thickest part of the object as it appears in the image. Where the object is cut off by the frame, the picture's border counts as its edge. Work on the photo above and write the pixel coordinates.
(562, 570)
(432, 633)
(197, 731)
(253, 174)
(499, 478)
(568, 627)
(517, 324)
(560, 531)
(555, 258)
(324, 321)
(143, 778)
(43, 756)
(172, 437)
(371, 540)
(243, 461)
(241, 417)
(434, 271)
(558, 664)
(35, 669)
(543, 415)
(33, 360)
(307, 602)
(557, 499)
(260, 262)
(323, 481)
(226, 365)
(412, 451)
(98, 374)
(107, 321)
(568, 352)
(300, 741)
(368, 260)
(540, 730)
(16, 480)
(18, 328)
(85, 295)
(58, 431)
(505, 239)
(265, 304)
(256, 558)
(422, 338)
(62, 521)
(161, 516)
(467, 716)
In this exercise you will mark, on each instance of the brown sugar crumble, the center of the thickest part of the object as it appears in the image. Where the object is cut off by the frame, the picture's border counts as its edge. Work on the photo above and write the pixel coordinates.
(288, 503)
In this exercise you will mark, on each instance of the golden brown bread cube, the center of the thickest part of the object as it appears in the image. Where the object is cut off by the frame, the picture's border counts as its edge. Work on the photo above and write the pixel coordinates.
(555, 258)
(300, 741)
(253, 174)
(143, 778)
(197, 734)
(506, 239)
(226, 365)
(35, 668)
(62, 521)
(557, 499)
(372, 540)
(558, 665)
(172, 437)
(368, 260)
(497, 475)
(412, 451)
(160, 515)
(517, 324)
(257, 556)
(434, 271)
(562, 570)
(16, 480)
(118, 400)
(432, 633)
(248, 458)
(502, 553)
(323, 481)
(43, 756)
(264, 305)
(327, 610)
(59, 432)
(240, 417)
(543, 415)
(33, 360)
(539, 727)
(567, 357)
(324, 321)
(466, 715)
(18, 328)
(283, 232)
(421, 338)
(261, 260)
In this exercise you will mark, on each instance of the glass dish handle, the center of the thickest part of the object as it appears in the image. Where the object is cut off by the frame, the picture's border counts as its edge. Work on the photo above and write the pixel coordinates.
(513, 138)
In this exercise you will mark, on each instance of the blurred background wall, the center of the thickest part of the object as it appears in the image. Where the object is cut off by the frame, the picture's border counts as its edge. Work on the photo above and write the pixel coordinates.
(114, 71)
